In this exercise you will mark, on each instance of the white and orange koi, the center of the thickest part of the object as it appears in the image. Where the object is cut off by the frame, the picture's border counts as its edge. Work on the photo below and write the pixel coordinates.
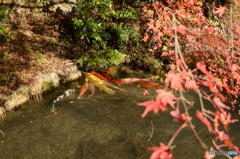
(148, 84)
(130, 80)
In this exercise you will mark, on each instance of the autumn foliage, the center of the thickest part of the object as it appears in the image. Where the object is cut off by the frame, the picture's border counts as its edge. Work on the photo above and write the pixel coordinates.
(202, 54)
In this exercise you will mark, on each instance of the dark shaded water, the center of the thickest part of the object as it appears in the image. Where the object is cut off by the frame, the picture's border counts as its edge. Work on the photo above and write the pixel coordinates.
(102, 127)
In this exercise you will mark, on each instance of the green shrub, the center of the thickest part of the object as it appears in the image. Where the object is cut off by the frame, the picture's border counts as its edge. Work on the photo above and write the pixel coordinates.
(127, 37)
(100, 59)
(127, 13)
(91, 22)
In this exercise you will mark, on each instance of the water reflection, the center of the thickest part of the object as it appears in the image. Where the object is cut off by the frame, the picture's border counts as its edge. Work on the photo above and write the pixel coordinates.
(104, 127)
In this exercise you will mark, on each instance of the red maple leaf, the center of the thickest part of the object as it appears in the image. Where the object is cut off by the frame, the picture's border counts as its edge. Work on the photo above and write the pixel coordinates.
(166, 97)
(182, 29)
(153, 105)
(162, 152)
(175, 79)
(207, 155)
(146, 38)
(220, 11)
(219, 103)
(179, 117)
(189, 38)
(190, 84)
(204, 120)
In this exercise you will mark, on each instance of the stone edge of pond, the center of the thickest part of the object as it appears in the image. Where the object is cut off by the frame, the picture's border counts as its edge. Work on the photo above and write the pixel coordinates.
(42, 82)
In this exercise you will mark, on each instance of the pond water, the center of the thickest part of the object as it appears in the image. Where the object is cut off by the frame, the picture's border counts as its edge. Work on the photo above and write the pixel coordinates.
(102, 127)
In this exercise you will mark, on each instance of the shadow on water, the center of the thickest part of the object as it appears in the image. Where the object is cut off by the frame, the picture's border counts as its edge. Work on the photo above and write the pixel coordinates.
(102, 127)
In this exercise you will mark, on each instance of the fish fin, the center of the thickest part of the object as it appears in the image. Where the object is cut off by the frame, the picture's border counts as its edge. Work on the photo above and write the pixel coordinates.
(84, 89)
(108, 90)
(113, 86)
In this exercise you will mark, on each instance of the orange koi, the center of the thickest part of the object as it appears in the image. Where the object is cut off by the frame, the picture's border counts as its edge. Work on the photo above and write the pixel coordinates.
(87, 86)
(108, 76)
(101, 77)
(84, 89)
(148, 84)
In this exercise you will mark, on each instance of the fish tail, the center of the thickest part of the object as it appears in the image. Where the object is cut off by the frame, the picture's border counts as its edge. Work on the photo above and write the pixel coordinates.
(53, 109)
(84, 89)
(108, 90)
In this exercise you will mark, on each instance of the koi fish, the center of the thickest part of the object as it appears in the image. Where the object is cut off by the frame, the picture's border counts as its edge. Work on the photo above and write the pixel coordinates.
(85, 87)
(99, 76)
(109, 77)
(130, 80)
(98, 82)
(148, 84)
(65, 94)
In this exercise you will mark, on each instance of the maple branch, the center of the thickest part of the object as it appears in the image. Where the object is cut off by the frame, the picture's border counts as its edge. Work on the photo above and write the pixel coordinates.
(176, 133)
(191, 125)
(178, 50)
(176, 40)
(177, 46)
(218, 148)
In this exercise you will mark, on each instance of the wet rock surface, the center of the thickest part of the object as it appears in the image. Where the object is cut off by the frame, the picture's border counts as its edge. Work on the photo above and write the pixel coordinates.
(41, 82)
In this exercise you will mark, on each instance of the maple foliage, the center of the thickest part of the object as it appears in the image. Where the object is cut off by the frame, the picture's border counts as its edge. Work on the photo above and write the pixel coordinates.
(220, 11)
(201, 55)
(162, 152)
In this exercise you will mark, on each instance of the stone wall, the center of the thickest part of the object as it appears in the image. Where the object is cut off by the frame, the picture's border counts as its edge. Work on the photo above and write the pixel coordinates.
(43, 82)
(52, 5)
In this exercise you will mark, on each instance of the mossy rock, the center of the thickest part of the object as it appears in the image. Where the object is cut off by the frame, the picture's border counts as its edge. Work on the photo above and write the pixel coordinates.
(46, 85)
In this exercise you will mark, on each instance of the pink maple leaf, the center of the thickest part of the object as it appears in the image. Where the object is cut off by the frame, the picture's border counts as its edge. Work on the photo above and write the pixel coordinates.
(222, 136)
(152, 105)
(190, 84)
(202, 67)
(175, 79)
(225, 118)
(179, 117)
(220, 11)
(146, 38)
(207, 155)
(166, 97)
(204, 120)
(189, 38)
(162, 152)
(219, 103)
(182, 29)
(238, 29)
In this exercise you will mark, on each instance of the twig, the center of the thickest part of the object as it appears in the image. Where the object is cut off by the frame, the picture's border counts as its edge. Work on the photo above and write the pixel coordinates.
(218, 148)
(2, 133)
(176, 133)
(151, 134)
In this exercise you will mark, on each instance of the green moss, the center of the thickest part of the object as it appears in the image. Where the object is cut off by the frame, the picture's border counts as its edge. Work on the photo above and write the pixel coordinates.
(46, 85)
